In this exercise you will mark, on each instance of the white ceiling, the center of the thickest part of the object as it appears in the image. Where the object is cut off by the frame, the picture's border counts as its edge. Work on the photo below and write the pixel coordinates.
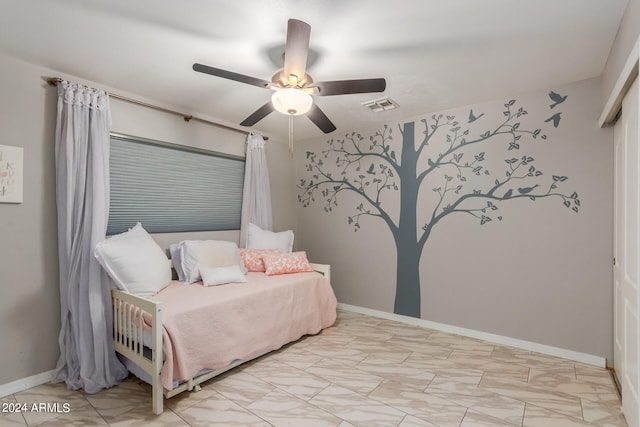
(435, 54)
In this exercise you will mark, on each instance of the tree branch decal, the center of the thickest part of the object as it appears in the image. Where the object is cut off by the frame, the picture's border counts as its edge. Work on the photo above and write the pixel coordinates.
(365, 168)
(448, 158)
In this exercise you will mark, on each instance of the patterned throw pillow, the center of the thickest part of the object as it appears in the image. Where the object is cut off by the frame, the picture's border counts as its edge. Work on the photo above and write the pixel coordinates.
(294, 262)
(252, 258)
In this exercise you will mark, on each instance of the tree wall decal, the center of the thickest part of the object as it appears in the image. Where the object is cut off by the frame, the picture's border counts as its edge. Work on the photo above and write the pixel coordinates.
(440, 174)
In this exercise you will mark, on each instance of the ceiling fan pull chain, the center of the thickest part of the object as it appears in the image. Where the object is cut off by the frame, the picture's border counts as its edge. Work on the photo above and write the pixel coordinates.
(291, 135)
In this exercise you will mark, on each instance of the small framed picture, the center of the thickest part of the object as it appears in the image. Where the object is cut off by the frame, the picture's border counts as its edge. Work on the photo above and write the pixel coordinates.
(11, 174)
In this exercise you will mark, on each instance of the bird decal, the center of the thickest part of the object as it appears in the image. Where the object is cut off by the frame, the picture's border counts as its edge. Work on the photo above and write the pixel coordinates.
(556, 98)
(555, 119)
(527, 190)
(472, 117)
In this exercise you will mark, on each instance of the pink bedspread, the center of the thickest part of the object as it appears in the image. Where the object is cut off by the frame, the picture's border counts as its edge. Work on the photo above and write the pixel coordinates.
(210, 327)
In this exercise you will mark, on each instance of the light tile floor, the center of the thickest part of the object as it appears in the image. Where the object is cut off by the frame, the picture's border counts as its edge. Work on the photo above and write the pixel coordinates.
(364, 371)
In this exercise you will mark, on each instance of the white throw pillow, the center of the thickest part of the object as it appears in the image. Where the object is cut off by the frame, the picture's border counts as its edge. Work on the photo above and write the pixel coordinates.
(134, 261)
(257, 238)
(196, 254)
(222, 275)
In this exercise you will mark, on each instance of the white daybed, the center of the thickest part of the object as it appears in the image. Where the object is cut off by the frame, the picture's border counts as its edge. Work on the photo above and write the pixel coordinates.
(156, 334)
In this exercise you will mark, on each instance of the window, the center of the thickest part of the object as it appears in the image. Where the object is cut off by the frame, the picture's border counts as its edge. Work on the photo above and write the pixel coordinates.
(172, 188)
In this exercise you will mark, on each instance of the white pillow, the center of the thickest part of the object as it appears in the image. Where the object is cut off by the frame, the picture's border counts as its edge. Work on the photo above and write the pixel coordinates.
(212, 276)
(175, 249)
(134, 261)
(198, 254)
(258, 238)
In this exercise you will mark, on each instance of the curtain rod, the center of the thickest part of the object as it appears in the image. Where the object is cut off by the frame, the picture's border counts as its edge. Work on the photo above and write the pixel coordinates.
(53, 81)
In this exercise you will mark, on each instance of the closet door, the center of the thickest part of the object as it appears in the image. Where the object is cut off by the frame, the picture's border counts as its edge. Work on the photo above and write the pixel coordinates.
(626, 253)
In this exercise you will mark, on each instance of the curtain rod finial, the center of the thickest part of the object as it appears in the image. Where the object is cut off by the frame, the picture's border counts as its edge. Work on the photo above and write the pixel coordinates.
(53, 81)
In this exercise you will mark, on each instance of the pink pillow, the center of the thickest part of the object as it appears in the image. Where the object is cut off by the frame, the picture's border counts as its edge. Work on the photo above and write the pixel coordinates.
(294, 262)
(252, 258)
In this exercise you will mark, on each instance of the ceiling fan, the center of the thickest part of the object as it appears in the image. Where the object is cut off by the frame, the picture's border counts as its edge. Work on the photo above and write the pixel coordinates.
(293, 86)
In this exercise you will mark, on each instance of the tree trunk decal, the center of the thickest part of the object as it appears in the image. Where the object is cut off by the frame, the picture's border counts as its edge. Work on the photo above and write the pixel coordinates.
(448, 160)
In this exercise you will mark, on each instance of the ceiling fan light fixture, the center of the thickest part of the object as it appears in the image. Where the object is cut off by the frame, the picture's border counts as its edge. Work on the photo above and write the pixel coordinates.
(291, 101)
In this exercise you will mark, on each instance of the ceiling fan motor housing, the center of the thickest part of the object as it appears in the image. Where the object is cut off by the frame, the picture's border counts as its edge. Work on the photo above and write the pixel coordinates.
(281, 80)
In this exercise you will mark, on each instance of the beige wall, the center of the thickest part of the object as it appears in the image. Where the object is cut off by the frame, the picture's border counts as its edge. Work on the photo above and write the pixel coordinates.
(29, 307)
(282, 174)
(626, 38)
(542, 273)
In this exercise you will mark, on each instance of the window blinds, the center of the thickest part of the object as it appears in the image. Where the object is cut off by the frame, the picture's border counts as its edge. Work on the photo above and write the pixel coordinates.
(172, 188)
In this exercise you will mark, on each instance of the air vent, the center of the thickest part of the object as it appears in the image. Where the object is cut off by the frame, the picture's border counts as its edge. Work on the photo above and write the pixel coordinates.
(382, 104)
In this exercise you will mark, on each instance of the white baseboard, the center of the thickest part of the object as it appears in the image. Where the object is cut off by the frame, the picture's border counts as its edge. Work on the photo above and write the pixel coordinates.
(25, 383)
(575, 356)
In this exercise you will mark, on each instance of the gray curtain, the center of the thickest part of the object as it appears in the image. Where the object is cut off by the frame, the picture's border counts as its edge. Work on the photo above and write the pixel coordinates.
(256, 194)
(87, 357)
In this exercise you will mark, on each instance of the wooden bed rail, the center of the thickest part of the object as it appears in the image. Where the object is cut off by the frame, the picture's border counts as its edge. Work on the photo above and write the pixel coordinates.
(130, 313)
(324, 269)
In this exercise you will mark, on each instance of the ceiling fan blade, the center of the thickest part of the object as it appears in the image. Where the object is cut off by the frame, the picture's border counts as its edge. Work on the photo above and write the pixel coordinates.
(317, 116)
(296, 50)
(343, 87)
(231, 75)
(258, 115)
